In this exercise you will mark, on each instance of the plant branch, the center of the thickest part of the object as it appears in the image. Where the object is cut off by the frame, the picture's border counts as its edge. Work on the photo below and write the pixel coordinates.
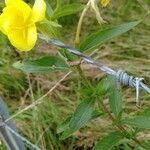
(77, 38)
(58, 4)
(120, 127)
(82, 75)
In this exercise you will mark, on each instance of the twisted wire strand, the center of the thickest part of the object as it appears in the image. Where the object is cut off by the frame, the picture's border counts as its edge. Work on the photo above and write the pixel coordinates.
(22, 138)
(122, 76)
(9, 128)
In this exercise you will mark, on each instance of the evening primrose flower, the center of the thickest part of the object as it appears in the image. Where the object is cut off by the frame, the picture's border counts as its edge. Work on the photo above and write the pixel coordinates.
(18, 20)
(104, 3)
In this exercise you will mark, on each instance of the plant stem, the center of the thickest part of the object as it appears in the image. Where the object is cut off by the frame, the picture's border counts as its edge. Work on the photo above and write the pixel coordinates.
(77, 38)
(58, 4)
(81, 73)
(111, 116)
(120, 127)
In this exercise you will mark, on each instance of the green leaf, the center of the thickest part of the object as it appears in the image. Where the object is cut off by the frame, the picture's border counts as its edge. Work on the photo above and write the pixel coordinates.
(44, 64)
(68, 132)
(67, 55)
(82, 114)
(49, 10)
(67, 10)
(109, 141)
(109, 85)
(102, 87)
(115, 97)
(142, 122)
(101, 36)
(65, 125)
(96, 114)
(49, 29)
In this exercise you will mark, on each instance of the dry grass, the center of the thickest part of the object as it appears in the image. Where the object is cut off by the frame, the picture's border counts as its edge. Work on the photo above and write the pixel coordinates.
(129, 52)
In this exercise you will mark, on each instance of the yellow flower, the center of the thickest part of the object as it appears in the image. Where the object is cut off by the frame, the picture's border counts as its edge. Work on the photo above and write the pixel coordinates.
(104, 3)
(18, 22)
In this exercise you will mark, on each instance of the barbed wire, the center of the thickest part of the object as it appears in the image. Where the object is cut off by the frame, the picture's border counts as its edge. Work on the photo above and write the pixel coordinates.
(22, 138)
(122, 76)
(8, 132)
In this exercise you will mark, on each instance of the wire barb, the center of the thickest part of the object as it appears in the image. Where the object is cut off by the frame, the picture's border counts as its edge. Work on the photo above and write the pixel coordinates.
(122, 77)
(130, 81)
(138, 80)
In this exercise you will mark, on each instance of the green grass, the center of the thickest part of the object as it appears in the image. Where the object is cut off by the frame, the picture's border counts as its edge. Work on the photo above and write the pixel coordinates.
(129, 52)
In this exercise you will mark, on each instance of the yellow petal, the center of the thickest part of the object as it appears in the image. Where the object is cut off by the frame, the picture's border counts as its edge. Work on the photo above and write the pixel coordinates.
(19, 5)
(24, 40)
(4, 24)
(11, 18)
(104, 3)
(38, 11)
(10, 2)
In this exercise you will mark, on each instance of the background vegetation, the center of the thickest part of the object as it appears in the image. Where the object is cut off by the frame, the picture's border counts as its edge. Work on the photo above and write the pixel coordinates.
(129, 52)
